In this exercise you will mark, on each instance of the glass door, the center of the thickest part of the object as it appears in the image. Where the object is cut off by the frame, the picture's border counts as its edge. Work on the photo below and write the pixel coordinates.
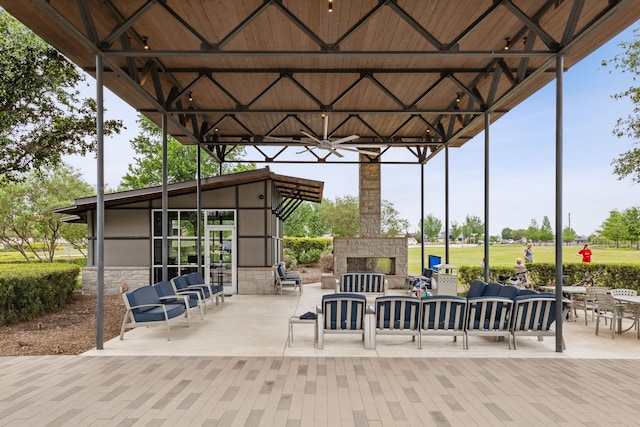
(220, 257)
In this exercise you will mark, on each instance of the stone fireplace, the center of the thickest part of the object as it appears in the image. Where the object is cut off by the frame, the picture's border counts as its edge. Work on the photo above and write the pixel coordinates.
(393, 248)
(370, 251)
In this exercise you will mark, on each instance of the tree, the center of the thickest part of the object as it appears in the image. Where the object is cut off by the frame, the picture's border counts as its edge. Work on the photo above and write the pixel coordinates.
(507, 233)
(305, 222)
(613, 228)
(341, 215)
(533, 231)
(546, 231)
(473, 226)
(431, 227)
(568, 235)
(455, 231)
(628, 163)
(146, 171)
(390, 222)
(27, 221)
(42, 117)
(631, 220)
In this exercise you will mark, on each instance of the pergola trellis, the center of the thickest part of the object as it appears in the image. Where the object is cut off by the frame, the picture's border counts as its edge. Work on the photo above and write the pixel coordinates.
(416, 76)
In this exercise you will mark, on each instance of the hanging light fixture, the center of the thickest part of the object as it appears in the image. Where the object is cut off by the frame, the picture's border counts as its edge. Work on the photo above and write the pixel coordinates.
(145, 43)
(507, 44)
(190, 96)
(330, 6)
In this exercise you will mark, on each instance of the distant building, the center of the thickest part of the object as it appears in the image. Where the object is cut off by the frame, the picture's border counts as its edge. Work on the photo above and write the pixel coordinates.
(241, 217)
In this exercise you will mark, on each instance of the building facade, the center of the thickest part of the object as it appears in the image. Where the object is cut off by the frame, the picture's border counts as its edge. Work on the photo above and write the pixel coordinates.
(241, 218)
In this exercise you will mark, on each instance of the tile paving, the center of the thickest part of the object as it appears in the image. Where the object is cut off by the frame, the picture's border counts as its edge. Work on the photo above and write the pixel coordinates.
(235, 369)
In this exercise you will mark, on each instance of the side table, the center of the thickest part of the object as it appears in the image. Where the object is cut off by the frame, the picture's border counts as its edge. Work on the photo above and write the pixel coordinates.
(297, 320)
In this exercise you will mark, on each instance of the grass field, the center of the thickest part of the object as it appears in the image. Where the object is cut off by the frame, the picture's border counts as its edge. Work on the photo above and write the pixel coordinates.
(505, 255)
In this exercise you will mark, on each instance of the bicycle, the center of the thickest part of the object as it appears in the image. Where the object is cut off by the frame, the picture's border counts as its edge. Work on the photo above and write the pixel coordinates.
(517, 279)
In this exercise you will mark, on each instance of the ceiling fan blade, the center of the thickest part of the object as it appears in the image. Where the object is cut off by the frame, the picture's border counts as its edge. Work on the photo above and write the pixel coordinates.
(310, 136)
(325, 127)
(345, 139)
(305, 150)
(334, 151)
(360, 151)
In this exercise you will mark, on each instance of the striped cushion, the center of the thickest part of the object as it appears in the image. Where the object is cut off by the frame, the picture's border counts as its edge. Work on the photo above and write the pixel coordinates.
(397, 312)
(362, 282)
(443, 313)
(343, 311)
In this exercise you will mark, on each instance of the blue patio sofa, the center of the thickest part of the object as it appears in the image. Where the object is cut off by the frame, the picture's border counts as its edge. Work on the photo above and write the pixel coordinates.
(490, 309)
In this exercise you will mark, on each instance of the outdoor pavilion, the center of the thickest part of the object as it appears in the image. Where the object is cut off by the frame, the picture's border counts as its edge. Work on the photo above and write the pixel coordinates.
(416, 76)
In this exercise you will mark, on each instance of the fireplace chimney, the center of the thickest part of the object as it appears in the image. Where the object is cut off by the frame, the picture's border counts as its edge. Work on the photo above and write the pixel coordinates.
(369, 197)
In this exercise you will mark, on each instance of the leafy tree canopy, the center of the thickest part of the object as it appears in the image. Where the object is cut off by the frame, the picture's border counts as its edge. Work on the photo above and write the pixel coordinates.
(42, 117)
(146, 171)
(27, 221)
(628, 163)
(430, 228)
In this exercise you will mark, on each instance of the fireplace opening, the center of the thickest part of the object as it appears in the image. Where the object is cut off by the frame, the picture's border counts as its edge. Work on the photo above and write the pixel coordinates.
(371, 265)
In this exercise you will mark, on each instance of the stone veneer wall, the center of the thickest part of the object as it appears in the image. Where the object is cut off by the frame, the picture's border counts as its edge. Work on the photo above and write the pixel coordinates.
(369, 197)
(251, 281)
(256, 281)
(114, 278)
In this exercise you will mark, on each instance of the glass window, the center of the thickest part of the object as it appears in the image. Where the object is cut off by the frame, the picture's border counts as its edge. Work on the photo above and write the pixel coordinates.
(221, 217)
(188, 224)
(172, 222)
(182, 238)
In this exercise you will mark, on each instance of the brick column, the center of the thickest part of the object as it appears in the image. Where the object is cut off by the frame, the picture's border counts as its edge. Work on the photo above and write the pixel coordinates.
(369, 197)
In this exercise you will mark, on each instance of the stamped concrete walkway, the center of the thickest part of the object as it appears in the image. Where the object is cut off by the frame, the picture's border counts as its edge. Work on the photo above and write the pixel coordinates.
(235, 369)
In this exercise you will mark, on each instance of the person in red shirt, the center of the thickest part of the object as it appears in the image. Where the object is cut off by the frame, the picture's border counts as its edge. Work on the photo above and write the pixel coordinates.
(586, 253)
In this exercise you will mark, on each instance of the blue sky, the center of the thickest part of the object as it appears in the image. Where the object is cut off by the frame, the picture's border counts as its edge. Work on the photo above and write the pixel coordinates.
(522, 159)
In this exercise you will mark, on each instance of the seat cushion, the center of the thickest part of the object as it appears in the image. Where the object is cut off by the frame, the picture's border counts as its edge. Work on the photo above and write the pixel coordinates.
(493, 289)
(143, 295)
(343, 311)
(443, 312)
(156, 314)
(476, 289)
(397, 312)
(509, 292)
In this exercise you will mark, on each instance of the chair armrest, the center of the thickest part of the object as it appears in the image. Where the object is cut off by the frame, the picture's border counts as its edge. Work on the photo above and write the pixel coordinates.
(145, 305)
(370, 309)
(318, 309)
(188, 292)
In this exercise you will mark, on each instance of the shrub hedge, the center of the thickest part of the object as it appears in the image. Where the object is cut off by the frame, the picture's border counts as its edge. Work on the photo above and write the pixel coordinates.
(306, 250)
(609, 275)
(31, 290)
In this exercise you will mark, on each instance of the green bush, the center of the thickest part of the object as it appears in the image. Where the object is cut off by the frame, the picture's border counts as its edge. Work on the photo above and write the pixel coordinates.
(306, 250)
(311, 256)
(31, 290)
(610, 275)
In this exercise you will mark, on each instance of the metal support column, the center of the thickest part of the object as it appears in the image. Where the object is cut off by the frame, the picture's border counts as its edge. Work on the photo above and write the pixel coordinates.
(422, 217)
(165, 201)
(446, 203)
(559, 131)
(487, 123)
(199, 209)
(100, 204)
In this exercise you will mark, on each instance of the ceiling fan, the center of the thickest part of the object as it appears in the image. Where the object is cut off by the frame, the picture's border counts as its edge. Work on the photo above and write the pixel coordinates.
(326, 144)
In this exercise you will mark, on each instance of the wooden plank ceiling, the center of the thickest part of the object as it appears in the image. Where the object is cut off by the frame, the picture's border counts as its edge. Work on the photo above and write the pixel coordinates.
(400, 74)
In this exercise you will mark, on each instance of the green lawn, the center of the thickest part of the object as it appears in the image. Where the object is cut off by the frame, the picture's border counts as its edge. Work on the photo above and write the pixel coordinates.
(505, 255)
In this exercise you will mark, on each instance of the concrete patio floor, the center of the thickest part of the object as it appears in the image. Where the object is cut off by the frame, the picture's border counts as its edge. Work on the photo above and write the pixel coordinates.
(235, 369)
(257, 325)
